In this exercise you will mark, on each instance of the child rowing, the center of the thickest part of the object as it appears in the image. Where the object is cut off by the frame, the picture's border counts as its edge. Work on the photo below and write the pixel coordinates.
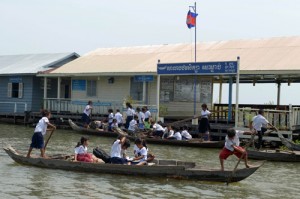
(232, 146)
(39, 133)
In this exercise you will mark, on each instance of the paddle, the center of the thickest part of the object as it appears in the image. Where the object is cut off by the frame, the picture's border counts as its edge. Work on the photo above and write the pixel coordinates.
(242, 156)
(46, 143)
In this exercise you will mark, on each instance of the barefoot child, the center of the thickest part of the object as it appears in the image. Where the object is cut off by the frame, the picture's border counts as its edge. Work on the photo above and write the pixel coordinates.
(39, 132)
(81, 153)
(232, 146)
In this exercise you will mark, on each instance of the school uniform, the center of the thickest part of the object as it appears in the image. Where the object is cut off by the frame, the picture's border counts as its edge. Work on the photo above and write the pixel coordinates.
(114, 125)
(82, 154)
(259, 123)
(110, 120)
(168, 133)
(132, 125)
(40, 130)
(141, 152)
(119, 118)
(147, 115)
(141, 116)
(129, 116)
(86, 114)
(185, 135)
(204, 126)
(158, 130)
(228, 148)
(177, 136)
(116, 153)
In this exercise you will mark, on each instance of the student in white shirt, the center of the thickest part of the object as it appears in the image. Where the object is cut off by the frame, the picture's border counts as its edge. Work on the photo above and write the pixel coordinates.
(87, 113)
(40, 131)
(114, 124)
(158, 130)
(129, 114)
(110, 118)
(259, 124)
(119, 118)
(81, 153)
(147, 113)
(169, 132)
(133, 124)
(185, 134)
(204, 126)
(140, 153)
(116, 150)
(232, 146)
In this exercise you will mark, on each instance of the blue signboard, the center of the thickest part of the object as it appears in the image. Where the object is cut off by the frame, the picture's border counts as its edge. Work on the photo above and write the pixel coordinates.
(143, 78)
(78, 85)
(15, 79)
(201, 68)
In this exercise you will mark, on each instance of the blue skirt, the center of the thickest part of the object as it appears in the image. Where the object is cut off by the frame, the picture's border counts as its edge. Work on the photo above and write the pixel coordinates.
(37, 140)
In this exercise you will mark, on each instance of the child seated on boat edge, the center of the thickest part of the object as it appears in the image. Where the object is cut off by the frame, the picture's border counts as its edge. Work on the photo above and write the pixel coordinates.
(176, 135)
(116, 150)
(232, 146)
(140, 153)
(185, 134)
(81, 153)
(158, 130)
(169, 132)
(133, 128)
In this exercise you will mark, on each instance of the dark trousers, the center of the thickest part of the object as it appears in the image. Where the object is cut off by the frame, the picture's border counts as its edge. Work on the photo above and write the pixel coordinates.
(260, 136)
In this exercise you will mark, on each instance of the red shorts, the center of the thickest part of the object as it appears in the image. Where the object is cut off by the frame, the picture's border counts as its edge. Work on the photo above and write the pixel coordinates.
(86, 157)
(225, 153)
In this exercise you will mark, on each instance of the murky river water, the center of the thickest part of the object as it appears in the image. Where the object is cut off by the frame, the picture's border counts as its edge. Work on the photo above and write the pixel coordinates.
(273, 180)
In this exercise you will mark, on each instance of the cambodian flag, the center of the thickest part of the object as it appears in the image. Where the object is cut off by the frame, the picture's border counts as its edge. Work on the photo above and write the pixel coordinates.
(191, 19)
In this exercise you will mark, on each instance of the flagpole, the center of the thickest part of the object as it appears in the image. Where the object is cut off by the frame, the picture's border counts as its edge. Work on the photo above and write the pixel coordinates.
(195, 78)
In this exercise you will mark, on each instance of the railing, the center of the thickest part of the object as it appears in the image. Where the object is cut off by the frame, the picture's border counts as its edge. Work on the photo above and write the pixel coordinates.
(15, 106)
(78, 105)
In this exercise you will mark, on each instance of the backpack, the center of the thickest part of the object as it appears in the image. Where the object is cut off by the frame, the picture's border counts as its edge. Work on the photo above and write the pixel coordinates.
(100, 153)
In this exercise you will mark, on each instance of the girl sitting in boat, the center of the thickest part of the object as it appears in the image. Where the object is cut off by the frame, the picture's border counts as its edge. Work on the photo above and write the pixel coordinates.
(169, 132)
(204, 126)
(39, 133)
(133, 125)
(232, 146)
(177, 135)
(114, 124)
(158, 130)
(116, 153)
(150, 156)
(81, 153)
(140, 153)
(185, 134)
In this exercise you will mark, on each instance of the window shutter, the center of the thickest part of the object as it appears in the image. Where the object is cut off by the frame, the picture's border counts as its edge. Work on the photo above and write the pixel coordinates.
(20, 90)
(9, 90)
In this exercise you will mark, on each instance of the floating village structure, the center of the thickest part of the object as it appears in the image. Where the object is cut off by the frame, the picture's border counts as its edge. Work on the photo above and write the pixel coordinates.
(111, 76)
(20, 88)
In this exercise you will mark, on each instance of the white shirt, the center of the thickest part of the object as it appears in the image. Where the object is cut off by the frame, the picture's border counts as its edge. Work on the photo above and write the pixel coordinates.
(132, 125)
(119, 117)
(140, 152)
(258, 121)
(170, 133)
(114, 125)
(205, 114)
(42, 125)
(177, 135)
(158, 127)
(147, 114)
(129, 112)
(186, 134)
(87, 110)
(141, 116)
(116, 149)
(235, 141)
(81, 149)
(110, 117)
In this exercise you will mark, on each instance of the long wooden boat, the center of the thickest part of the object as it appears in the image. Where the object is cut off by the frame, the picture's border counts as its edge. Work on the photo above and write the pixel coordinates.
(288, 143)
(152, 140)
(274, 155)
(161, 168)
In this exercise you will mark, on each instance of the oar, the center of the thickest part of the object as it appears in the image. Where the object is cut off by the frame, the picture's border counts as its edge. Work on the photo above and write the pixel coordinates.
(46, 143)
(242, 156)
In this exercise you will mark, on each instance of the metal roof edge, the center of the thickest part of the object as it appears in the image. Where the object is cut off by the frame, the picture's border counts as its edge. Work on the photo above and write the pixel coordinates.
(61, 59)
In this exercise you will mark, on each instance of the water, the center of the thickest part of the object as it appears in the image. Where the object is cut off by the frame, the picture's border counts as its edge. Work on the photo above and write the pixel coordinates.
(273, 180)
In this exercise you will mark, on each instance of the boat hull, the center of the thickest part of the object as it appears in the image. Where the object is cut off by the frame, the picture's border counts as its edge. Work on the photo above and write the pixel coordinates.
(273, 155)
(162, 168)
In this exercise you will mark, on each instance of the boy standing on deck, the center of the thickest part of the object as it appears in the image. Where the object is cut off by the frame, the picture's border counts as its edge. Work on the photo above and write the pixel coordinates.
(232, 146)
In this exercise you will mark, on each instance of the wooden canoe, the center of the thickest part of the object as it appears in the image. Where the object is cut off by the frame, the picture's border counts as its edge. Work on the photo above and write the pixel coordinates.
(161, 168)
(189, 143)
(288, 143)
(274, 155)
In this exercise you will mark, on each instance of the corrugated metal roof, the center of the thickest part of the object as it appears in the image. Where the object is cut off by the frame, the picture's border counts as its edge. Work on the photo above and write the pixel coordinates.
(31, 63)
(258, 56)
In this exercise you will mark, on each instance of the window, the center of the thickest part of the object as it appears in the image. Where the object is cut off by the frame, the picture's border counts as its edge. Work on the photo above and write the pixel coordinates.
(136, 90)
(15, 90)
(91, 88)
